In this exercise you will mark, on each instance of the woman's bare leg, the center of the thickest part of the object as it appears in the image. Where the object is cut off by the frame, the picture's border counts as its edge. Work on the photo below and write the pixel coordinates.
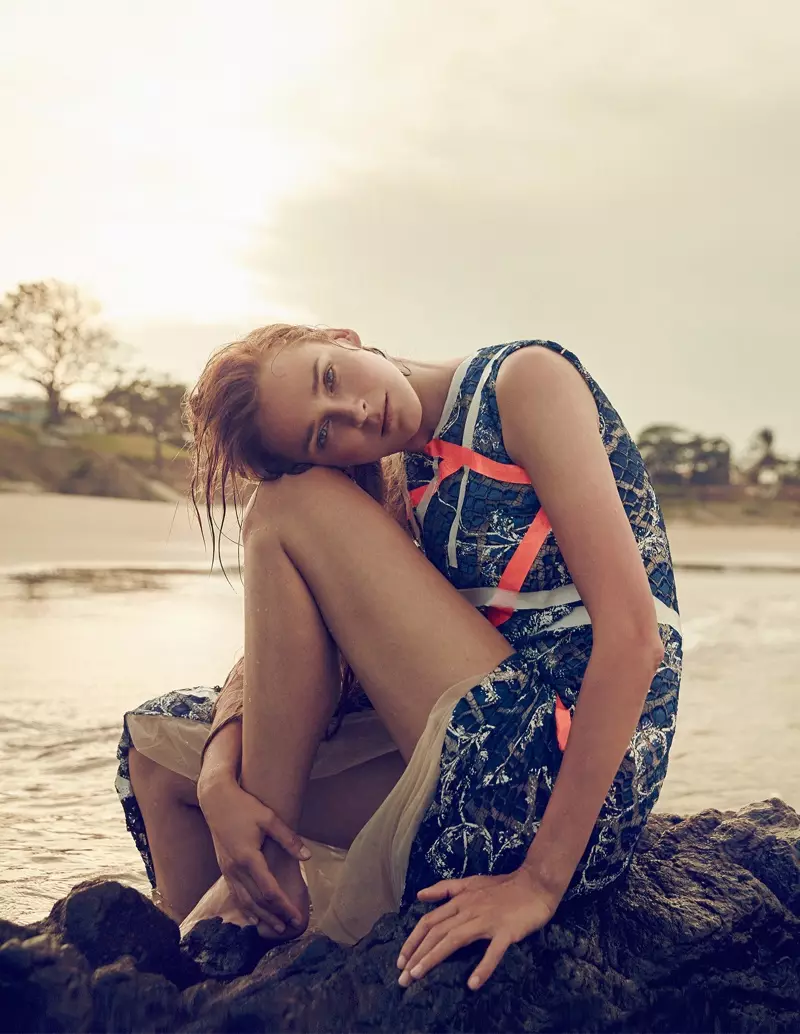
(324, 564)
(180, 842)
(337, 808)
(334, 811)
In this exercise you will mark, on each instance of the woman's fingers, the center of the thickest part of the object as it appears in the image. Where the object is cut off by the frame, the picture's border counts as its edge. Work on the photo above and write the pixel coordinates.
(266, 923)
(460, 935)
(431, 939)
(243, 900)
(488, 964)
(254, 912)
(441, 890)
(421, 930)
(265, 890)
(273, 826)
(259, 916)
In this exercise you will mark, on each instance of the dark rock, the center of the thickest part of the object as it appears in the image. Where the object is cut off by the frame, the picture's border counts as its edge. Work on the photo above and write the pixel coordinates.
(8, 930)
(126, 1000)
(223, 950)
(44, 986)
(105, 921)
(703, 934)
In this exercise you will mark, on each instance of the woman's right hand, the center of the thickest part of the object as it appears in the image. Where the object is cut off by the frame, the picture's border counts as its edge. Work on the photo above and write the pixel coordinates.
(239, 823)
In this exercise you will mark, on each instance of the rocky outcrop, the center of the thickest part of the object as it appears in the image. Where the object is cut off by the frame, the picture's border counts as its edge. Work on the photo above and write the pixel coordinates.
(703, 935)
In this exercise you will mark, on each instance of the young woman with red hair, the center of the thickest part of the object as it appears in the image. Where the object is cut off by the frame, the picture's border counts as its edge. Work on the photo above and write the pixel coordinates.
(462, 648)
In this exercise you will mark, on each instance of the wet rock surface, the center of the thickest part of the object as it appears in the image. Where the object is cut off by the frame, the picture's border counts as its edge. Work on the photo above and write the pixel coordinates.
(702, 935)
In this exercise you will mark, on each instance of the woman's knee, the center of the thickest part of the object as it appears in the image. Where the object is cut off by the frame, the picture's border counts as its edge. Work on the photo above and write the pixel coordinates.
(297, 497)
(151, 781)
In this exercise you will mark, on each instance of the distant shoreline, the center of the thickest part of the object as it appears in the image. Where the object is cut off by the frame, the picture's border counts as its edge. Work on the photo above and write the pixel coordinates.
(82, 572)
(113, 466)
(125, 467)
(754, 512)
(49, 531)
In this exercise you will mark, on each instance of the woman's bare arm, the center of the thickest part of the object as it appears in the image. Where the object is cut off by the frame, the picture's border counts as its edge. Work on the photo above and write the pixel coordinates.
(550, 427)
(228, 706)
(222, 758)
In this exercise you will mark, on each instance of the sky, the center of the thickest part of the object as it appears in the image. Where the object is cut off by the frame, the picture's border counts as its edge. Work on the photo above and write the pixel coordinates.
(620, 177)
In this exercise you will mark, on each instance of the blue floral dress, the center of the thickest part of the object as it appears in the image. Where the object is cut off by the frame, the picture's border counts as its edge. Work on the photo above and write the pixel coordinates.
(503, 748)
(505, 741)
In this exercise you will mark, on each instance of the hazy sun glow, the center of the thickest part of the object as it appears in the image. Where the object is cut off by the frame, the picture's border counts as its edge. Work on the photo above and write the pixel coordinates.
(618, 176)
(148, 144)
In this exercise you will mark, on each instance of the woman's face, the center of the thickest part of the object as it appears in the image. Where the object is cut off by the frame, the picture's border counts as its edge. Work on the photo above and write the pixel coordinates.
(334, 404)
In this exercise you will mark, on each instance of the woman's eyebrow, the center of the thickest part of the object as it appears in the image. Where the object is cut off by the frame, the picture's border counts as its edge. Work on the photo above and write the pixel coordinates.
(314, 390)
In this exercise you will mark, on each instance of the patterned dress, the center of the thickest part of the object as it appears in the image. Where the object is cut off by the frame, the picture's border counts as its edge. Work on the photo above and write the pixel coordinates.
(503, 748)
(504, 744)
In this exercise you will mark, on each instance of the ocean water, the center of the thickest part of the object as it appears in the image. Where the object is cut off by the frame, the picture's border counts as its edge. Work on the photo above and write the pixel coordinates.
(77, 650)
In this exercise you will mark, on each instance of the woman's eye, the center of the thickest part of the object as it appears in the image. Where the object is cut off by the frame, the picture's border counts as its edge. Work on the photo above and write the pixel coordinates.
(330, 378)
(322, 435)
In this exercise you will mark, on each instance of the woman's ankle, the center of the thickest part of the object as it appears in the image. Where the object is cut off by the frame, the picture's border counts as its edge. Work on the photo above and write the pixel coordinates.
(177, 915)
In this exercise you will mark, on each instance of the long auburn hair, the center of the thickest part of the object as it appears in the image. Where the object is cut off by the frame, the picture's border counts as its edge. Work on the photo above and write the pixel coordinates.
(229, 456)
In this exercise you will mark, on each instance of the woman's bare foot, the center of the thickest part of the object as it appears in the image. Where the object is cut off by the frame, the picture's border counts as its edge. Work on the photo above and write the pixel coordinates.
(219, 901)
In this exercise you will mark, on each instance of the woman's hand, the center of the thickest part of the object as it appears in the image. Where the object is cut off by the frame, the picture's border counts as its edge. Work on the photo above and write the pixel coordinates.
(239, 823)
(500, 909)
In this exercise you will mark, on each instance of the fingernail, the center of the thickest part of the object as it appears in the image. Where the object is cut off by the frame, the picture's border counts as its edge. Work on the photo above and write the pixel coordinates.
(401, 961)
(474, 983)
(416, 972)
(404, 979)
(295, 922)
(305, 854)
(279, 927)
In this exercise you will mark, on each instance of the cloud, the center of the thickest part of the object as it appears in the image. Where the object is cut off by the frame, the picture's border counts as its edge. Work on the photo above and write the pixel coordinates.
(618, 176)
(666, 250)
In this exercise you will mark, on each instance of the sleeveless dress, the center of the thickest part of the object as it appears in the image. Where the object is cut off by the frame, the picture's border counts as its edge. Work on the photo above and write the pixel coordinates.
(503, 747)
(479, 521)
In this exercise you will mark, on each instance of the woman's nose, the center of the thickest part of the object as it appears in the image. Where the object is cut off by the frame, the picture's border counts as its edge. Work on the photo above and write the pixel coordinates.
(355, 411)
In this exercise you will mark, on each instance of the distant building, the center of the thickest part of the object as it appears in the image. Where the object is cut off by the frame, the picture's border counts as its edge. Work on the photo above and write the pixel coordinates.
(23, 409)
(30, 411)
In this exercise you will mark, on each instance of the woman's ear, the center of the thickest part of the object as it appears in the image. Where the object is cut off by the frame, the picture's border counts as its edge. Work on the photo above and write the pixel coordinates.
(345, 334)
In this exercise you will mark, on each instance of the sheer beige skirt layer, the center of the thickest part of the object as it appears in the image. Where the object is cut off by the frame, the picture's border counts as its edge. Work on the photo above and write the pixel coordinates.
(351, 889)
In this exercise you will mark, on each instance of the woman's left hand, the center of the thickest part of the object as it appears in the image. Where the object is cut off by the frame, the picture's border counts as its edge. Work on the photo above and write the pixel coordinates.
(500, 909)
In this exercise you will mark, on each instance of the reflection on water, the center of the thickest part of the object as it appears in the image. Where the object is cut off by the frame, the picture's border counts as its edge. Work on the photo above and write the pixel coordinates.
(77, 649)
(70, 664)
(35, 584)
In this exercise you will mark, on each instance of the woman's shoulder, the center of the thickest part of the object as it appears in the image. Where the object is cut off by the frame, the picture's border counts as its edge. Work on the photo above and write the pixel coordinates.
(471, 417)
(477, 373)
(539, 350)
(494, 365)
(529, 372)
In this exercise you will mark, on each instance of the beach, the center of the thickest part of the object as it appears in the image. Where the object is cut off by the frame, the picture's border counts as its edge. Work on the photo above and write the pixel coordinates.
(105, 603)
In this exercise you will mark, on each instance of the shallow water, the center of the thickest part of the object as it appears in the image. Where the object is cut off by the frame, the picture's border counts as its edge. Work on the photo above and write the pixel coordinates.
(76, 652)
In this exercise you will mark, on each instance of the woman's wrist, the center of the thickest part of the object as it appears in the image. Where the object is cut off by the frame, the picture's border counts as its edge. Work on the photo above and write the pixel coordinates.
(212, 780)
(221, 761)
(542, 882)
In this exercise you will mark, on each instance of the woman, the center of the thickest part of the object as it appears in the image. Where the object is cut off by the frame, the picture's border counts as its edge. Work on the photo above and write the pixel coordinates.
(524, 660)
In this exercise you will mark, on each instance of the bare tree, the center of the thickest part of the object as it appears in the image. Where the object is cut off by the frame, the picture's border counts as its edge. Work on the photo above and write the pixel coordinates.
(52, 336)
(151, 405)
